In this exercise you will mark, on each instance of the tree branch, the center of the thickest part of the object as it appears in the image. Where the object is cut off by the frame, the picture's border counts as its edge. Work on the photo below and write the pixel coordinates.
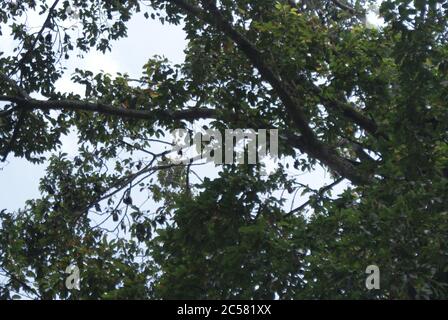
(7, 112)
(346, 110)
(320, 193)
(347, 8)
(75, 105)
(45, 25)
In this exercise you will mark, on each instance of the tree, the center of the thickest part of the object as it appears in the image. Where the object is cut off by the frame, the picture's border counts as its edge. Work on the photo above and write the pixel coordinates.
(367, 104)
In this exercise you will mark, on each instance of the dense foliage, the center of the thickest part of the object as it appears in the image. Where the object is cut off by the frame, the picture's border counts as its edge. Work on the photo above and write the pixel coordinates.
(368, 104)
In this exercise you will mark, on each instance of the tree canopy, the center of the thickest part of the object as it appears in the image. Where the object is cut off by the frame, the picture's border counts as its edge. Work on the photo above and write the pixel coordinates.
(367, 104)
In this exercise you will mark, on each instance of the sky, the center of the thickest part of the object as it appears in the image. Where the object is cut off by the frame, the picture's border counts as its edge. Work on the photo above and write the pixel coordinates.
(19, 179)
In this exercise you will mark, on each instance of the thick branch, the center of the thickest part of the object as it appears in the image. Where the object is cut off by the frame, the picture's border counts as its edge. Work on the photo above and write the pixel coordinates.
(74, 105)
